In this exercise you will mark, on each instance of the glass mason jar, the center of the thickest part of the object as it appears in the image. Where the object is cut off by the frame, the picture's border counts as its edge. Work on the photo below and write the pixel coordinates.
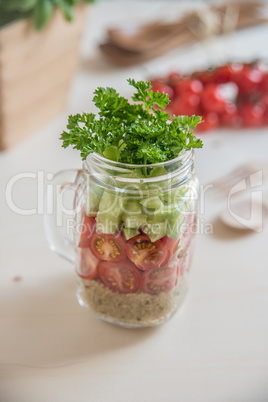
(132, 238)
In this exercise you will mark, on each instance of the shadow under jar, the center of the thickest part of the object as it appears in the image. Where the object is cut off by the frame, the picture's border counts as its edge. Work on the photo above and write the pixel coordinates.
(133, 242)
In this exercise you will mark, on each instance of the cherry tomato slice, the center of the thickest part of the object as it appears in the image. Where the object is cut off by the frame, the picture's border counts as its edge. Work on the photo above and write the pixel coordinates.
(159, 280)
(87, 231)
(88, 265)
(145, 254)
(108, 247)
(170, 244)
(122, 277)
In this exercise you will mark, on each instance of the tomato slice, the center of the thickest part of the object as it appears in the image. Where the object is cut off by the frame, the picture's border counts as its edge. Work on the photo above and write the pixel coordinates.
(107, 247)
(170, 244)
(145, 254)
(88, 229)
(159, 280)
(121, 278)
(88, 265)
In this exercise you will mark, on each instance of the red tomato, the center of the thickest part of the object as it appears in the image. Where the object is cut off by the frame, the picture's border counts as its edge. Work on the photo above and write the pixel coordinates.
(160, 86)
(227, 73)
(248, 79)
(88, 265)
(170, 244)
(186, 104)
(173, 78)
(206, 77)
(188, 85)
(264, 101)
(87, 231)
(229, 117)
(264, 105)
(145, 254)
(265, 117)
(159, 280)
(212, 100)
(108, 247)
(210, 120)
(251, 114)
(264, 83)
(122, 277)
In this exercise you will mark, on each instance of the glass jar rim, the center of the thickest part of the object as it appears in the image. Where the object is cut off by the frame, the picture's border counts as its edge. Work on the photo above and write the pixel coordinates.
(183, 154)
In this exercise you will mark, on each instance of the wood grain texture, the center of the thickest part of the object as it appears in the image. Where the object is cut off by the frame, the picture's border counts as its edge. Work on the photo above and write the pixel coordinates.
(36, 69)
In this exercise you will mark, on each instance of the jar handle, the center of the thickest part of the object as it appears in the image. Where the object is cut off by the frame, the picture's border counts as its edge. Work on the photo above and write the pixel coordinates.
(59, 233)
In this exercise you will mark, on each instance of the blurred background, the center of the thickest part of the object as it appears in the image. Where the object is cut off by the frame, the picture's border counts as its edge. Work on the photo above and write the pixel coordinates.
(211, 58)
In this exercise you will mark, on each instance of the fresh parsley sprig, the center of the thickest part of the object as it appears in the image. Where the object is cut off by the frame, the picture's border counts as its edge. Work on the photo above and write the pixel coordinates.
(138, 133)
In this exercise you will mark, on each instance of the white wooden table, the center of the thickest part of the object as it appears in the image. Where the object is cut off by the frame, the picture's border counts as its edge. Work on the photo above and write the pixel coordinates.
(214, 350)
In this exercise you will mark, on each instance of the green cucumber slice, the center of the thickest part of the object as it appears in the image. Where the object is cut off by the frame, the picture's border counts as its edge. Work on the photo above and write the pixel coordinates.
(109, 216)
(173, 227)
(132, 207)
(111, 203)
(92, 203)
(135, 221)
(167, 212)
(107, 224)
(152, 203)
(156, 230)
(129, 233)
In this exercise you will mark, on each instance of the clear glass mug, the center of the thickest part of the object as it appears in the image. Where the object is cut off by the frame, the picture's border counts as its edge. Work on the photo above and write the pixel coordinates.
(129, 231)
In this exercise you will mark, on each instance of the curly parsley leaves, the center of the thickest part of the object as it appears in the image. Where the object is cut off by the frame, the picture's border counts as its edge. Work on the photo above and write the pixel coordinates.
(138, 133)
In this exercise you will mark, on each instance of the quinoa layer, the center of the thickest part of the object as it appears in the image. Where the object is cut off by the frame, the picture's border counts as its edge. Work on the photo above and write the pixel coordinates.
(133, 309)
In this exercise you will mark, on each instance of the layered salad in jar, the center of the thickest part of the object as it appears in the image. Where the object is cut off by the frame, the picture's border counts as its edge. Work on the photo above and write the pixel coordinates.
(139, 206)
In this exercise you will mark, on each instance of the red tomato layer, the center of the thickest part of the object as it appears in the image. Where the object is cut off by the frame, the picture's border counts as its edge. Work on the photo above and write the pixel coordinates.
(107, 247)
(159, 280)
(88, 265)
(121, 277)
(147, 255)
(87, 231)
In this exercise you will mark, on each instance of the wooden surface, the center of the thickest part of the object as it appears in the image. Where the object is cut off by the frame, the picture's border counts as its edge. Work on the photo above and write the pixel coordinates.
(216, 348)
(36, 69)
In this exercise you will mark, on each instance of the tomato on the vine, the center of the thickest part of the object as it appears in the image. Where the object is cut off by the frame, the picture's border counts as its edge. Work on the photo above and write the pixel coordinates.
(122, 277)
(227, 73)
(264, 83)
(265, 116)
(212, 100)
(173, 78)
(108, 247)
(205, 77)
(193, 86)
(145, 254)
(210, 120)
(87, 268)
(160, 86)
(251, 114)
(87, 230)
(229, 116)
(186, 104)
(248, 79)
(159, 280)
